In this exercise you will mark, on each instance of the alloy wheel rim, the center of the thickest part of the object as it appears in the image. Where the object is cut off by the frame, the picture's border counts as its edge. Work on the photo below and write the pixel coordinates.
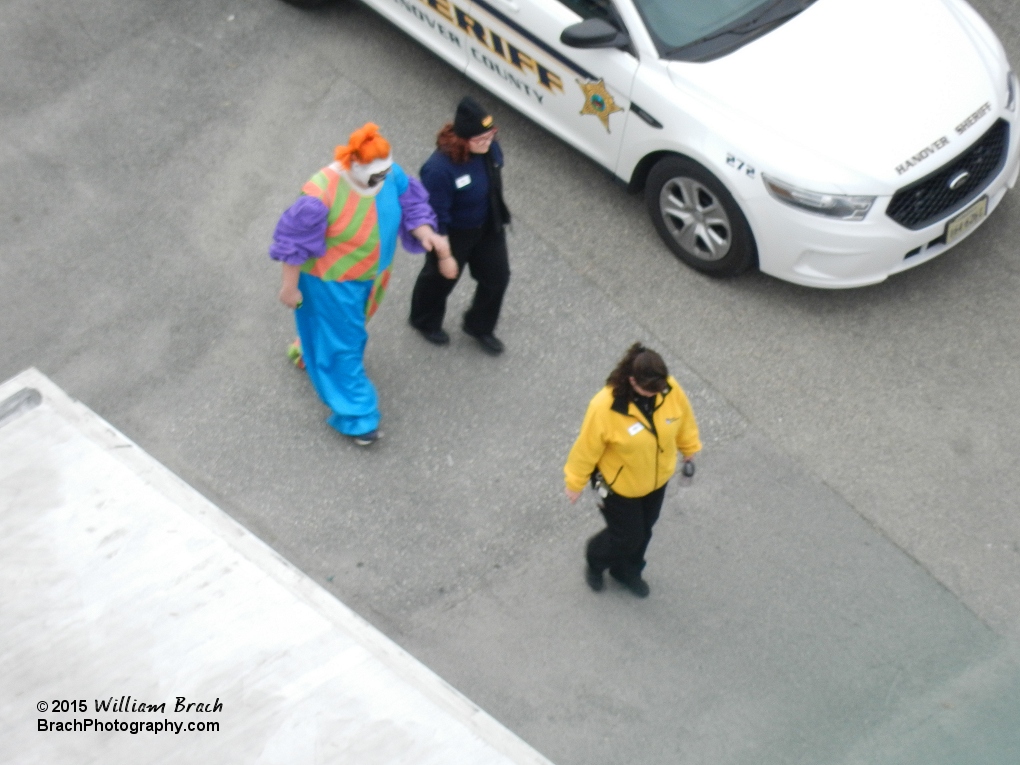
(696, 218)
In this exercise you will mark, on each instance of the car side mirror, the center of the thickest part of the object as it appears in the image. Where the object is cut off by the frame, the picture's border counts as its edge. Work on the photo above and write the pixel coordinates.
(594, 33)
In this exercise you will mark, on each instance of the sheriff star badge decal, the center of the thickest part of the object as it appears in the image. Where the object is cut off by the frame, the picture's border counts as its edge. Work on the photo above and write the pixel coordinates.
(598, 101)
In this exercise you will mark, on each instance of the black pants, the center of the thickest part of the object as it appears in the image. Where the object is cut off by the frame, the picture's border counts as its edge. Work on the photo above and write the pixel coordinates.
(621, 545)
(483, 250)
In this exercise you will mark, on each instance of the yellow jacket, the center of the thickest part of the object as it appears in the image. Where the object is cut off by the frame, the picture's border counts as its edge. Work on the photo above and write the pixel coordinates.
(635, 456)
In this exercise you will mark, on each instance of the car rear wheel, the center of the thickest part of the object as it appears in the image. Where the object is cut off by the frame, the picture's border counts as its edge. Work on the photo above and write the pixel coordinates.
(698, 218)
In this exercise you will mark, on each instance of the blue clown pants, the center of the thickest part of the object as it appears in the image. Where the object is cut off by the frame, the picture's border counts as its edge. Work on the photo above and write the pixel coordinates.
(331, 325)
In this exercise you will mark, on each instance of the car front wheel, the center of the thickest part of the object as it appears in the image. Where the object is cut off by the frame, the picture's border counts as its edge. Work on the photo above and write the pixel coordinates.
(698, 218)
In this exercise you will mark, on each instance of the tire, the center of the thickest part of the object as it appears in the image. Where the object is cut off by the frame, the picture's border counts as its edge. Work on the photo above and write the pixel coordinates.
(698, 219)
(309, 4)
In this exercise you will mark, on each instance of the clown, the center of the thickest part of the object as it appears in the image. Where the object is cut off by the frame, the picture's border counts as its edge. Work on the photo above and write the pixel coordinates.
(336, 245)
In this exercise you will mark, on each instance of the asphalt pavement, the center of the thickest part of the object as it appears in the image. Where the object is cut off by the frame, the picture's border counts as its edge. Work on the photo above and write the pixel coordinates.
(839, 584)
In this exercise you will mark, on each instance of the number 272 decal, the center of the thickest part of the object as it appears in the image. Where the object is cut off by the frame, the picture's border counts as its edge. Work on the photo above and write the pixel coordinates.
(740, 166)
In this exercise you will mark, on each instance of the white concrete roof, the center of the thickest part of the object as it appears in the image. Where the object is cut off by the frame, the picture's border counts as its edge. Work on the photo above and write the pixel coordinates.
(122, 584)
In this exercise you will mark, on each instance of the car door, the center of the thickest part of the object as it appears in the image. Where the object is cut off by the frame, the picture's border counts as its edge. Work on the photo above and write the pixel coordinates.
(514, 49)
(431, 22)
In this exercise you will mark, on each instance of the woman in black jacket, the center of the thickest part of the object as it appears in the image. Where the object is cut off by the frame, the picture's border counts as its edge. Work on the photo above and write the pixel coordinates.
(465, 189)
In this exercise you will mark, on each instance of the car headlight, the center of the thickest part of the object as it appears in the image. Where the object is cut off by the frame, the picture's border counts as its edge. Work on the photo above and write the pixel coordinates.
(838, 206)
(1011, 91)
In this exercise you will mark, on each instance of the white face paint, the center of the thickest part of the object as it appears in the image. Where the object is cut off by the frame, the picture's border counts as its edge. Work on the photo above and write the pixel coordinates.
(361, 176)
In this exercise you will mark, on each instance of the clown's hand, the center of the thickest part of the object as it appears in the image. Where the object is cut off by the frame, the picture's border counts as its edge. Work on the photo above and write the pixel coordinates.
(428, 236)
(440, 245)
(448, 266)
(291, 296)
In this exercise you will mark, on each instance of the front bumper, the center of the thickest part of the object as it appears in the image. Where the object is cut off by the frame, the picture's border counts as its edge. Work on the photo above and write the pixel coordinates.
(808, 249)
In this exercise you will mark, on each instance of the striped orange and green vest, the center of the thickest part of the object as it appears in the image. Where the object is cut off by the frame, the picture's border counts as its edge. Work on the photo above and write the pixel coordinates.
(352, 237)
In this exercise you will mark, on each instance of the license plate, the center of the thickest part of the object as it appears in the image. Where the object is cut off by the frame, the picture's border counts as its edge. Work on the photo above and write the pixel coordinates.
(966, 220)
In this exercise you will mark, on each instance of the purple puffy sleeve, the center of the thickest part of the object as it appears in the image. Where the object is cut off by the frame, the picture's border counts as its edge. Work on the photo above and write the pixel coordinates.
(414, 204)
(301, 232)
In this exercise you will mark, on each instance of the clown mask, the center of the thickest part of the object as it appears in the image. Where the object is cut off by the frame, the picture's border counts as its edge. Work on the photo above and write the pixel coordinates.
(367, 179)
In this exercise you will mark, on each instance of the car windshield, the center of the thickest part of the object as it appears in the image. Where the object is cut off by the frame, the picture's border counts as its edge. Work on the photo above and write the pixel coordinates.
(698, 30)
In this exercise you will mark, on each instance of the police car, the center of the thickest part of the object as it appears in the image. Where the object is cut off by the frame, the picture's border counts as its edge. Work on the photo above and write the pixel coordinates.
(829, 143)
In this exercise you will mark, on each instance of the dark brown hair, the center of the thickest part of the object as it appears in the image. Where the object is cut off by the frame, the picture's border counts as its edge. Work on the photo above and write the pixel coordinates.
(452, 145)
(644, 365)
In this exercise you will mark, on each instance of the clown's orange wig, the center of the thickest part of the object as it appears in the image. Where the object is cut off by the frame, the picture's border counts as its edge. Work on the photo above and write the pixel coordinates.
(365, 145)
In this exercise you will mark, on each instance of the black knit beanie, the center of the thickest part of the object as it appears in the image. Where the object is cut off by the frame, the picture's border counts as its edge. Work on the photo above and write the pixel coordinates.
(471, 119)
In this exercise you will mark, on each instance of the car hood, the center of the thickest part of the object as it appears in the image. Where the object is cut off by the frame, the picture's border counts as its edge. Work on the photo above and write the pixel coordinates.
(852, 89)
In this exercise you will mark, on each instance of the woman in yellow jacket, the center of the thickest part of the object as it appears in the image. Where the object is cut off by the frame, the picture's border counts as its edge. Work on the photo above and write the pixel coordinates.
(628, 448)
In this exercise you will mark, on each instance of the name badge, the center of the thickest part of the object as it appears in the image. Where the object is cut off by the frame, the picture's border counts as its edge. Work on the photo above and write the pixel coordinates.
(636, 428)
(463, 181)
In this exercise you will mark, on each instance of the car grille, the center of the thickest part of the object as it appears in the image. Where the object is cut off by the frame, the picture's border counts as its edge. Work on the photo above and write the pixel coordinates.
(922, 203)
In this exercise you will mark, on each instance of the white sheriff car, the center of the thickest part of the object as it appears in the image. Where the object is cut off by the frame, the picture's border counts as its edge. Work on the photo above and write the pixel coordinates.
(830, 143)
